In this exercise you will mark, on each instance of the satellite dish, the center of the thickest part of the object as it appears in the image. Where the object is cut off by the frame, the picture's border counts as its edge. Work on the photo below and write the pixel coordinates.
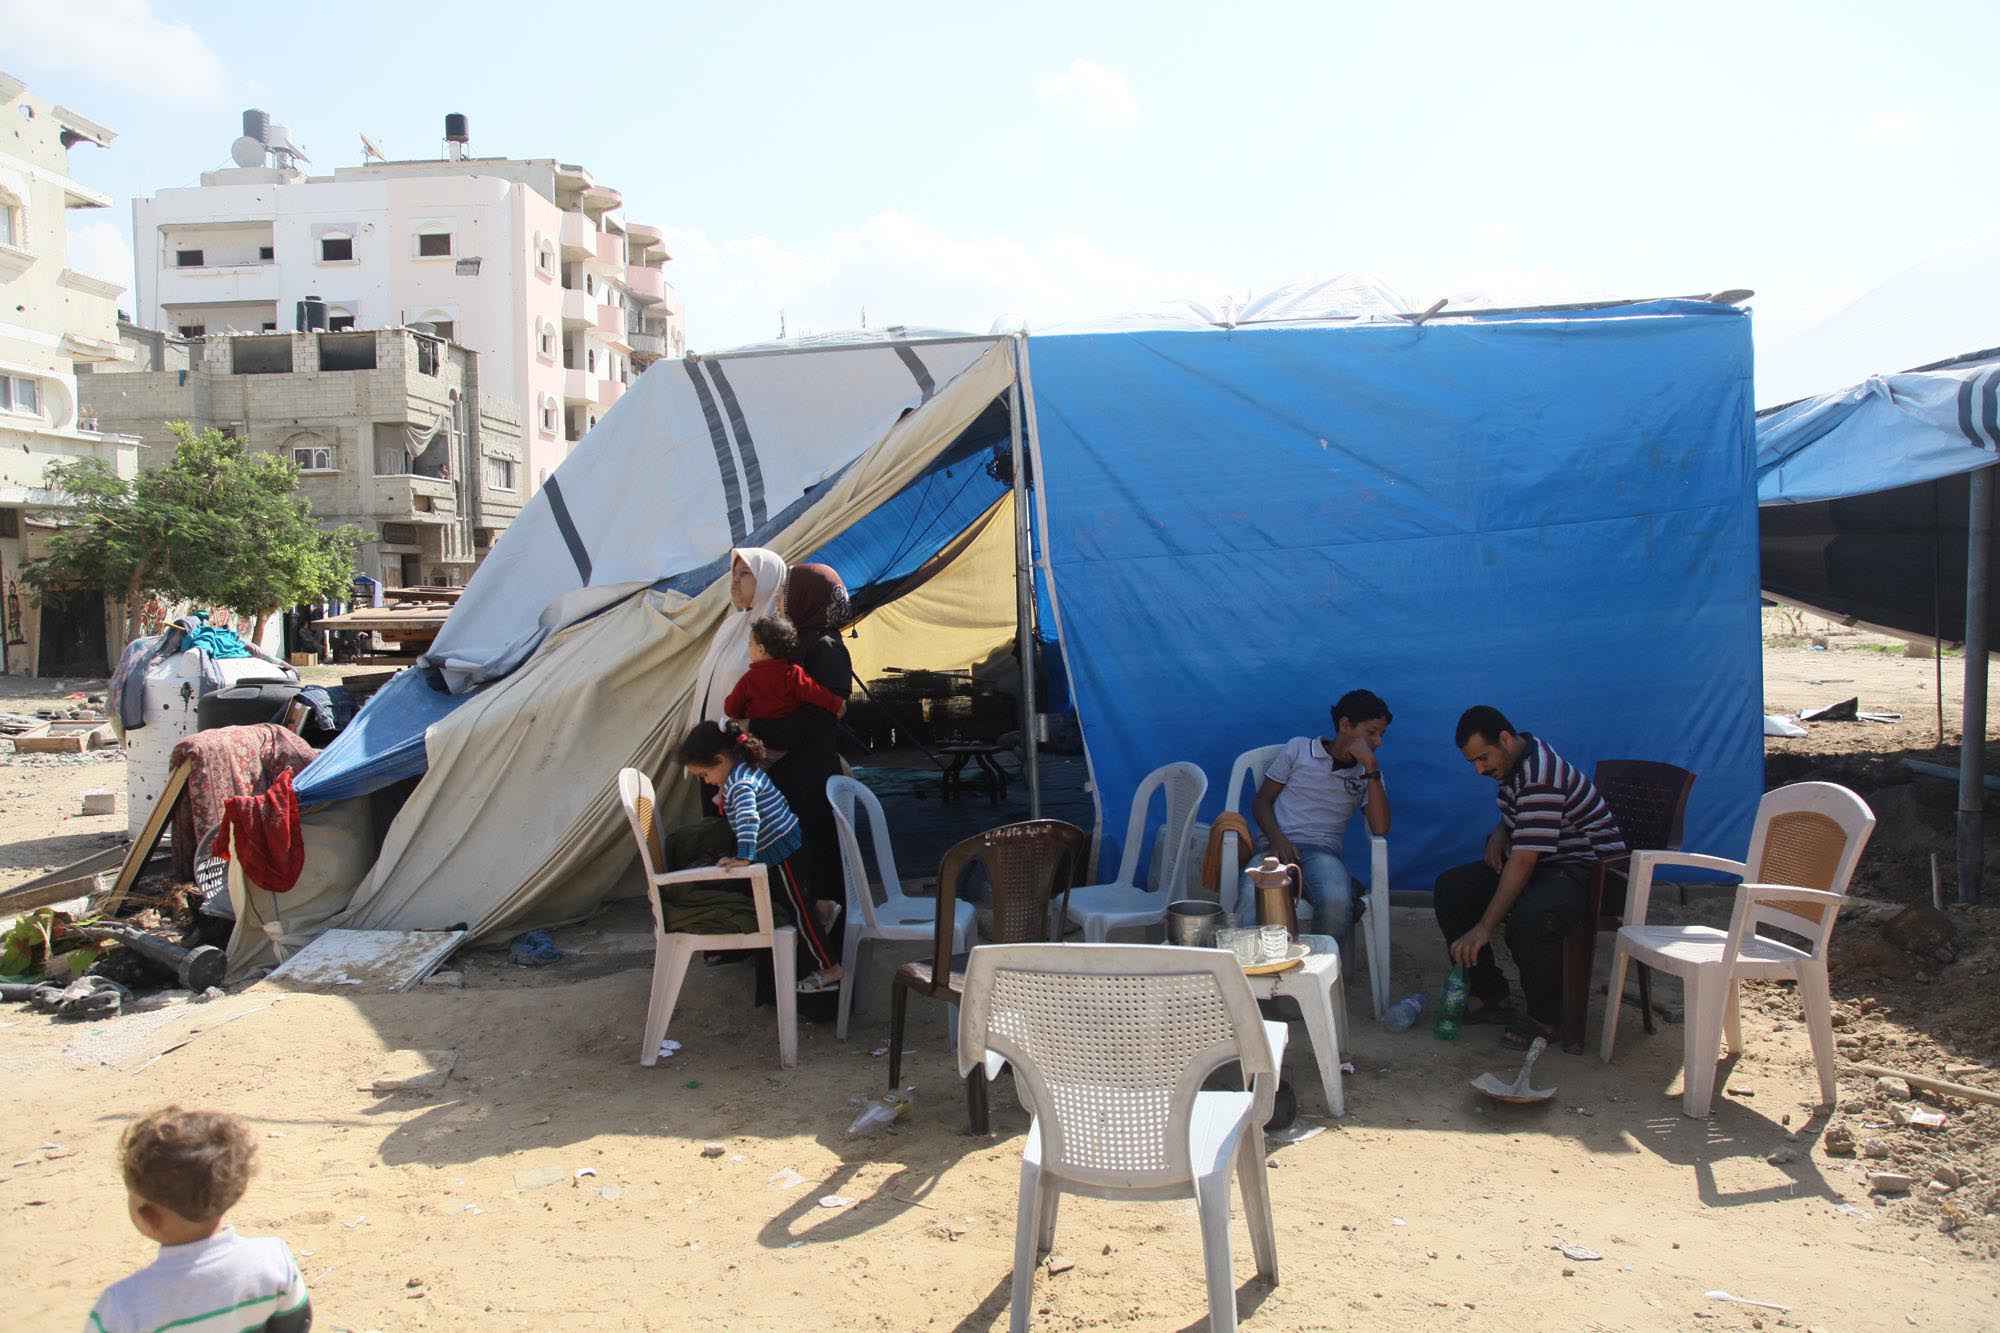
(371, 149)
(247, 152)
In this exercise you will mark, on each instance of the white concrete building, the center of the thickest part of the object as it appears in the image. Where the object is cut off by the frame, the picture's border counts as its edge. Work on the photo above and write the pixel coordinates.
(528, 262)
(51, 317)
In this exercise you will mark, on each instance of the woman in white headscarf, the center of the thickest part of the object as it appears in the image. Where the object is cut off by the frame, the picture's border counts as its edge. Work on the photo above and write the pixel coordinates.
(756, 589)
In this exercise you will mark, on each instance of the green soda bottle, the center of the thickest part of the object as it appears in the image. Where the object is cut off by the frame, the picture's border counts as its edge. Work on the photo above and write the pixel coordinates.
(1452, 1011)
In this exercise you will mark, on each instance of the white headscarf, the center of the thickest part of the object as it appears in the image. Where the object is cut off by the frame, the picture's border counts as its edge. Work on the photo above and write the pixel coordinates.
(728, 654)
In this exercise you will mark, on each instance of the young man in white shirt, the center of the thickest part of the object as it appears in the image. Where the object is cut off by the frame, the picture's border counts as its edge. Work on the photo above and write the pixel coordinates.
(1308, 796)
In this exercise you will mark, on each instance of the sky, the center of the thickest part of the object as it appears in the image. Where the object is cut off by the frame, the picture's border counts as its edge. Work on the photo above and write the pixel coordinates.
(944, 166)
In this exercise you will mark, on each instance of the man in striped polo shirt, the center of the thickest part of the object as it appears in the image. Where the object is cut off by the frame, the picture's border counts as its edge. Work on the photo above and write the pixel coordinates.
(1535, 876)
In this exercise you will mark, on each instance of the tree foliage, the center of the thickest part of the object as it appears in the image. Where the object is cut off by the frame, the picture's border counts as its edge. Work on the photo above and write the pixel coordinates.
(218, 523)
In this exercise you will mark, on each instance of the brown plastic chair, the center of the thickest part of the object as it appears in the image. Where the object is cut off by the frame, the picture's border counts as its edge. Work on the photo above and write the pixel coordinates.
(1026, 865)
(1650, 802)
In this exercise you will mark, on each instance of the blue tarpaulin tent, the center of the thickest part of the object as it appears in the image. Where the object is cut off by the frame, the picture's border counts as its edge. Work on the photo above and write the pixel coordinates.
(1549, 511)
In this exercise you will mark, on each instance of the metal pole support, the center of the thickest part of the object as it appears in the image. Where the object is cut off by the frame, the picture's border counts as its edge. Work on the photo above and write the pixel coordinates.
(1972, 723)
(1024, 593)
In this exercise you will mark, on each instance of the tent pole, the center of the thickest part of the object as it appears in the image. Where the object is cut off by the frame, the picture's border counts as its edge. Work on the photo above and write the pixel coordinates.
(1972, 723)
(1024, 594)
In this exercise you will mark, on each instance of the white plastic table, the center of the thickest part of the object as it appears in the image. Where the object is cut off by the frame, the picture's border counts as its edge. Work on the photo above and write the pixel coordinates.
(1315, 985)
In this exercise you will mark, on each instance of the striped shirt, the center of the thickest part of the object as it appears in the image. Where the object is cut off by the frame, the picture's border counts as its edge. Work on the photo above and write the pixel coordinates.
(1551, 808)
(765, 827)
(224, 1284)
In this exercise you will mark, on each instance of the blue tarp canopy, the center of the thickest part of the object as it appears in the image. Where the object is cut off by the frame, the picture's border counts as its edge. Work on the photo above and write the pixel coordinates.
(1886, 432)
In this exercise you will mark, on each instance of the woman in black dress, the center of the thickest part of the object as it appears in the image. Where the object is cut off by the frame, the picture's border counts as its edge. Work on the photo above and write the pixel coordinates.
(816, 602)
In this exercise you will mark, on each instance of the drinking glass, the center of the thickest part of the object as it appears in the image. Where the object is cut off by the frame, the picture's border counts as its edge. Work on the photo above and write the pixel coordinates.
(1274, 943)
(1244, 943)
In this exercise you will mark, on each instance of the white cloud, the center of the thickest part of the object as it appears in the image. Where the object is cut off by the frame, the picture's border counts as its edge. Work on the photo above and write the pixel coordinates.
(1093, 94)
(1890, 126)
(120, 42)
(1495, 238)
(98, 248)
(903, 270)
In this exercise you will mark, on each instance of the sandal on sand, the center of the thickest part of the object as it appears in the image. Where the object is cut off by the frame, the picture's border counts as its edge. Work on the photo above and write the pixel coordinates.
(1521, 1033)
(815, 983)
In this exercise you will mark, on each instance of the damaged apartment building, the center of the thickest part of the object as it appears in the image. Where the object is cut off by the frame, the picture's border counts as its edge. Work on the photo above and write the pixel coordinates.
(389, 428)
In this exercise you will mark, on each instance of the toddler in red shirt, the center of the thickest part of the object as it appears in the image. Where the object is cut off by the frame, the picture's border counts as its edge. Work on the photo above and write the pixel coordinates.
(776, 686)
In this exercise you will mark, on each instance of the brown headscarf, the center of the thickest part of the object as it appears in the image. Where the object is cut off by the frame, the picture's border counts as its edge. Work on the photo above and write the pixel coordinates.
(815, 600)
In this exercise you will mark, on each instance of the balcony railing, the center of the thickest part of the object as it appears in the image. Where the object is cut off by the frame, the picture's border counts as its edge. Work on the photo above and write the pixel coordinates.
(646, 284)
(579, 235)
(579, 309)
(609, 392)
(611, 250)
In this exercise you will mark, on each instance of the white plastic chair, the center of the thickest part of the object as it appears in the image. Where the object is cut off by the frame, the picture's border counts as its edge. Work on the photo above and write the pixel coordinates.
(1803, 850)
(671, 952)
(1110, 1044)
(1125, 904)
(899, 916)
(1252, 767)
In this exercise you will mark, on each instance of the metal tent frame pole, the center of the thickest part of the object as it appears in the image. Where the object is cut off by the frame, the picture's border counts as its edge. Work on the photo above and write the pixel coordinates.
(1024, 592)
(1972, 723)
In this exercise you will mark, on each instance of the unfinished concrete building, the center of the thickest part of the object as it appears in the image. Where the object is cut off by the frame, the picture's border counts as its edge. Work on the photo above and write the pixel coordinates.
(389, 429)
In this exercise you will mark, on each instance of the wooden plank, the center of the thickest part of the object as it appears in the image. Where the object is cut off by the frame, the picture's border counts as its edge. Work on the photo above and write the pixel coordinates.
(63, 875)
(149, 836)
(1971, 1094)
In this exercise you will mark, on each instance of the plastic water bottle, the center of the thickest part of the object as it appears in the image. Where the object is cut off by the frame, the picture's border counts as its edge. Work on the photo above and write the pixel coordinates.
(1452, 1011)
(1404, 1013)
(881, 1112)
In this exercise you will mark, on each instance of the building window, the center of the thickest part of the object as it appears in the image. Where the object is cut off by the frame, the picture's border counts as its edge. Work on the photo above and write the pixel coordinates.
(19, 394)
(192, 330)
(10, 523)
(589, 285)
(266, 253)
(434, 244)
(590, 359)
(313, 460)
(545, 256)
(548, 414)
(500, 473)
(270, 326)
(9, 231)
(427, 356)
(447, 329)
(187, 259)
(339, 319)
(336, 249)
(392, 460)
(545, 340)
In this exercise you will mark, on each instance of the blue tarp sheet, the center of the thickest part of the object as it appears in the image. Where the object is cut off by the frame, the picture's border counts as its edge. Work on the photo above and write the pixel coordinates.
(383, 744)
(1886, 432)
(1553, 515)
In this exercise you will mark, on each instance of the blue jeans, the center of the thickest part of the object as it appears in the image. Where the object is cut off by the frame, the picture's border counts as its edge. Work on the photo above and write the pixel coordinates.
(1329, 894)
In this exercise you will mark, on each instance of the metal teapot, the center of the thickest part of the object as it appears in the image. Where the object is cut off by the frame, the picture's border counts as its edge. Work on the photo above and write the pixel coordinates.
(1277, 887)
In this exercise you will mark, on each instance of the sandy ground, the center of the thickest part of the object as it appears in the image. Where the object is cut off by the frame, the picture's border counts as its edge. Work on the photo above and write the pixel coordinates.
(1423, 1208)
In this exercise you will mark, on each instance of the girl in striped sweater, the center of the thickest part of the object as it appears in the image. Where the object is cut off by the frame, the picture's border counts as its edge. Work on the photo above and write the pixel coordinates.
(766, 831)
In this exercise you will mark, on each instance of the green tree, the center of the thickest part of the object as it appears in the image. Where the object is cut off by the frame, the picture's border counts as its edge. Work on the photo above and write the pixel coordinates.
(218, 523)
